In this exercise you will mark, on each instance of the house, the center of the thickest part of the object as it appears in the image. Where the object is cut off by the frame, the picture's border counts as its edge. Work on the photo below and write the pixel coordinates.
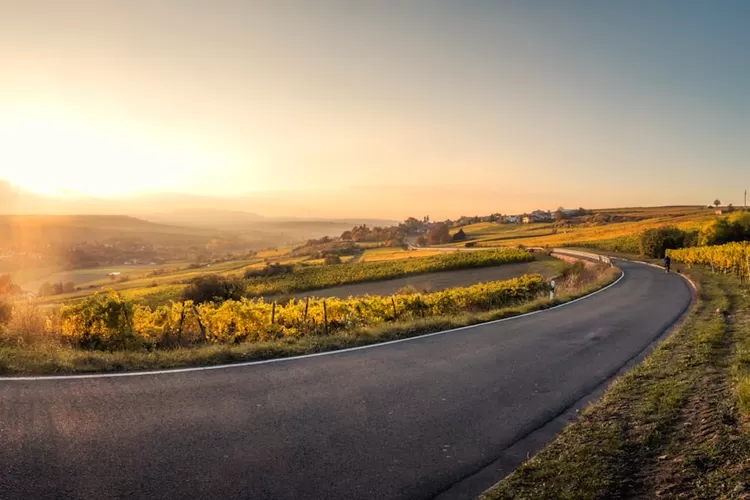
(528, 219)
(541, 216)
(513, 219)
(719, 211)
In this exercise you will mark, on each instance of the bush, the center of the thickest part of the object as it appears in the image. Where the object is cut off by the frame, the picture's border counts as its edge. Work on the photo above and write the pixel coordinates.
(332, 259)
(655, 242)
(28, 323)
(725, 230)
(439, 234)
(269, 270)
(103, 322)
(5, 313)
(575, 268)
(213, 288)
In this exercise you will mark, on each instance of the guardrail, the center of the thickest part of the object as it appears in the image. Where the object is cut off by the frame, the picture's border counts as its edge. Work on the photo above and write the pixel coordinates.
(594, 257)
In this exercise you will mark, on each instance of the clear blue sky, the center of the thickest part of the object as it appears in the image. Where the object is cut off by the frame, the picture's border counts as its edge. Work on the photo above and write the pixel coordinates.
(530, 102)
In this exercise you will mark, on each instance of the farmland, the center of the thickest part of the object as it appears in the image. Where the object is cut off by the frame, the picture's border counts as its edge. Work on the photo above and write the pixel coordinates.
(286, 275)
(544, 266)
(612, 230)
(314, 278)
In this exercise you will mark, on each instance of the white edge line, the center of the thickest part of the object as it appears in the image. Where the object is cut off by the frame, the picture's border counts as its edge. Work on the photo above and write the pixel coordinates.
(302, 356)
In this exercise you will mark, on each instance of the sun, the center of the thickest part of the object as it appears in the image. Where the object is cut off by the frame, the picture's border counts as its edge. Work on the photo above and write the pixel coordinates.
(53, 153)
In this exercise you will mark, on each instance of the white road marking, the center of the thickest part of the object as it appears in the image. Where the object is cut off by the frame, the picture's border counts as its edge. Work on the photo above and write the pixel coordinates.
(294, 358)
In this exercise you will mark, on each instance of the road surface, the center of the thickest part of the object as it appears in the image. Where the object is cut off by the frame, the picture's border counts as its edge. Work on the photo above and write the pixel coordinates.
(403, 420)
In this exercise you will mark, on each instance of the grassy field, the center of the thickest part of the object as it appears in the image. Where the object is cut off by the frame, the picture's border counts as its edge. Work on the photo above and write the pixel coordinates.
(677, 426)
(143, 285)
(384, 253)
(95, 275)
(611, 236)
(318, 277)
(547, 267)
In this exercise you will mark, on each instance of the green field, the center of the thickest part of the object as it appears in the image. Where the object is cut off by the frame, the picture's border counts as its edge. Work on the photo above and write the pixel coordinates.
(385, 253)
(313, 278)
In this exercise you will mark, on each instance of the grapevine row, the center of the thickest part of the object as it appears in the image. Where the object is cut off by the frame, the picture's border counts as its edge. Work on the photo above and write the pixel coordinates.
(112, 322)
(317, 277)
(728, 258)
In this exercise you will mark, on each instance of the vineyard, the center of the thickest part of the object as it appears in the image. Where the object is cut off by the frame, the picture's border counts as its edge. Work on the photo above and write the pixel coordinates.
(728, 258)
(112, 322)
(317, 277)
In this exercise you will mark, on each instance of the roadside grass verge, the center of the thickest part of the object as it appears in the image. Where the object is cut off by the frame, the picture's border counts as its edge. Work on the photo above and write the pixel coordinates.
(676, 426)
(49, 356)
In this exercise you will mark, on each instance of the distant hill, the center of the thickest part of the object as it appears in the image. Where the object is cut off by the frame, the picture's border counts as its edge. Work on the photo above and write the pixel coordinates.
(34, 230)
(266, 231)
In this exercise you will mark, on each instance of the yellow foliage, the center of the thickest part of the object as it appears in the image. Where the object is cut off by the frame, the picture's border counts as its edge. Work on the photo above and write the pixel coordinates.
(107, 322)
(731, 257)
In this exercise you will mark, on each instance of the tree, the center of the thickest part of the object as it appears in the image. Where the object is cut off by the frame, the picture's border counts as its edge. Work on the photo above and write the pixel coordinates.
(332, 259)
(7, 287)
(459, 236)
(214, 288)
(46, 290)
(69, 287)
(717, 203)
(655, 242)
(560, 214)
(439, 234)
(421, 240)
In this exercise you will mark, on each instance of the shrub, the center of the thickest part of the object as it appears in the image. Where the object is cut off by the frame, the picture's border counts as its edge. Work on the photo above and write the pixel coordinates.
(269, 270)
(213, 288)
(575, 268)
(101, 322)
(331, 259)
(439, 234)
(5, 313)
(655, 242)
(28, 323)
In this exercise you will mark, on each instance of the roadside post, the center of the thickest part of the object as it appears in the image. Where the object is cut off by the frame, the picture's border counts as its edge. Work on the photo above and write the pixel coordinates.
(552, 290)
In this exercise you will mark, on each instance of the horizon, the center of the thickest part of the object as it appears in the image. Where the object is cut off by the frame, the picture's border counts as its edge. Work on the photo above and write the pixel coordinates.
(381, 111)
(152, 205)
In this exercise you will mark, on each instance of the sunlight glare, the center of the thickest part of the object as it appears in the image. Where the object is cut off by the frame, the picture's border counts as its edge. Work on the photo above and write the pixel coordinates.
(63, 155)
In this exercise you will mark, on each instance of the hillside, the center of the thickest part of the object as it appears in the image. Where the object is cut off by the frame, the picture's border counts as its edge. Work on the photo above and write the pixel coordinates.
(41, 230)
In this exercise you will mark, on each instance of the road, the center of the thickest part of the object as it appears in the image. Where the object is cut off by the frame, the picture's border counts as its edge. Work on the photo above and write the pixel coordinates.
(403, 420)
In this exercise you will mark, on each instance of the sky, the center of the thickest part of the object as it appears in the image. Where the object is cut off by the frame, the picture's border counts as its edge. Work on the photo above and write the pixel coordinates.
(378, 107)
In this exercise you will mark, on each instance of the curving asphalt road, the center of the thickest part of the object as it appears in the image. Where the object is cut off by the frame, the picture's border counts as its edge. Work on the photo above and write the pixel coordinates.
(403, 420)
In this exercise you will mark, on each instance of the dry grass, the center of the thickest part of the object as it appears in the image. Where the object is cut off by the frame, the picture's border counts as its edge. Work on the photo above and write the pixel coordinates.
(673, 427)
(44, 354)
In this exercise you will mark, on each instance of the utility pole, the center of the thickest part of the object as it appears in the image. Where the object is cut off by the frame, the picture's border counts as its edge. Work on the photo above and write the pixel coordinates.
(745, 198)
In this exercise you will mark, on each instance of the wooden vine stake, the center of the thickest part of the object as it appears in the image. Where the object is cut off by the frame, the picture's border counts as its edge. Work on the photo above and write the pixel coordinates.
(182, 321)
(200, 323)
(395, 315)
(325, 317)
(273, 313)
